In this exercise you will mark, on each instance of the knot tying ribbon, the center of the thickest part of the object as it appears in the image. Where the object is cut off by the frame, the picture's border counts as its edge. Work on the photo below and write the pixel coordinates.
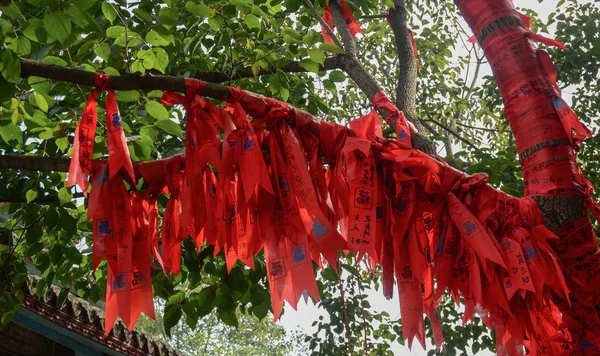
(396, 117)
(83, 145)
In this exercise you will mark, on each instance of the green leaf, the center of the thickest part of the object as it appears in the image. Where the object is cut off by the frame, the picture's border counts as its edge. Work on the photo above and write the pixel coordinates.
(39, 101)
(62, 298)
(311, 38)
(10, 65)
(31, 195)
(84, 4)
(137, 66)
(337, 76)
(317, 55)
(228, 317)
(261, 310)
(148, 57)
(62, 143)
(143, 16)
(157, 110)
(200, 10)
(161, 60)
(35, 31)
(127, 96)
(176, 298)
(115, 31)
(331, 47)
(243, 5)
(129, 39)
(109, 12)
(58, 26)
(34, 234)
(155, 39)
(330, 85)
(79, 16)
(168, 126)
(168, 16)
(309, 65)
(11, 134)
(252, 21)
(171, 318)
(20, 45)
(102, 50)
(64, 196)
(40, 85)
(54, 60)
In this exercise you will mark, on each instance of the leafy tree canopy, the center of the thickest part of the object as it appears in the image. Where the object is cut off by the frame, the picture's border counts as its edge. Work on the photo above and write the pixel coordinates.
(270, 47)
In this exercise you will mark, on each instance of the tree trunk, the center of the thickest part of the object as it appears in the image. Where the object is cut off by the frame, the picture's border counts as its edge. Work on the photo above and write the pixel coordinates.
(525, 79)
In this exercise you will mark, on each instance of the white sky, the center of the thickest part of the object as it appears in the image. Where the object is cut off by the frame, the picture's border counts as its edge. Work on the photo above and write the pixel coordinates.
(307, 314)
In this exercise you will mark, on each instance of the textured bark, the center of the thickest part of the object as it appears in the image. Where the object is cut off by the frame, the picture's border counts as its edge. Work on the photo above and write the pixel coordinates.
(365, 81)
(581, 319)
(406, 91)
(29, 67)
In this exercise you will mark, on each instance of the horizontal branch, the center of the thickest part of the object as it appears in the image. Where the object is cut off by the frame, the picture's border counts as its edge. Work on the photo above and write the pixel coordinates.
(35, 163)
(50, 199)
(138, 81)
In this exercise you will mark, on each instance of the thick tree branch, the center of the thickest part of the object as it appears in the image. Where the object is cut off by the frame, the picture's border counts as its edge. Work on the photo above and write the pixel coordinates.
(35, 163)
(406, 90)
(50, 199)
(323, 23)
(363, 79)
(34, 68)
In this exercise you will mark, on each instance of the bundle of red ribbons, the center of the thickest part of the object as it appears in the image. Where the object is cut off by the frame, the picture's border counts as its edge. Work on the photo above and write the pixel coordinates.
(303, 192)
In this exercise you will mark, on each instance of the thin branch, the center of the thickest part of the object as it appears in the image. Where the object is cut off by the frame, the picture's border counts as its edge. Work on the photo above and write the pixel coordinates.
(454, 133)
(478, 128)
(380, 16)
(323, 23)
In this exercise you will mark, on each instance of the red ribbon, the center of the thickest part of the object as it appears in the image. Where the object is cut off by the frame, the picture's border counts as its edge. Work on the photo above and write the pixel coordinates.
(351, 22)
(403, 130)
(83, 146)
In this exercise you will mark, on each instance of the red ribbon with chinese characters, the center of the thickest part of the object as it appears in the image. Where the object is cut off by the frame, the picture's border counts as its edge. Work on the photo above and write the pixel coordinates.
(83, 146)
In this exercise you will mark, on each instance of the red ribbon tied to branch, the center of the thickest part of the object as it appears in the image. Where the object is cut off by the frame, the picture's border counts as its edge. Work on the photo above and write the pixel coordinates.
(351, 22)
(83, 146)
(403, 127)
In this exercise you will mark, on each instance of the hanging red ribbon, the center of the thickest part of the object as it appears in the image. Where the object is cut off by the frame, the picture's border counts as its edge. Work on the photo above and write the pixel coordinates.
(83, 145)
(351, 22)
(80, 167)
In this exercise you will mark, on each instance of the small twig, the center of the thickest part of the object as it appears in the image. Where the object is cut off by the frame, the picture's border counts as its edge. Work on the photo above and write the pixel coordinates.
(380, 16)
(323, 23)
(454, 133)
(478, 128)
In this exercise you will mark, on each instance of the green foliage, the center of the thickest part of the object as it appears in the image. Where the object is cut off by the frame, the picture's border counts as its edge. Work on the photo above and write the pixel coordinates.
(209, 336)
(44, 225)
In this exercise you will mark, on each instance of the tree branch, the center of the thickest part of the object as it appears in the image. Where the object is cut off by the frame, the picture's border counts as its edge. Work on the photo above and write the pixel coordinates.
(406, 91)
(35, 163)
(221, 77)
(50, 199)
(363, 79)
(323, 23)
